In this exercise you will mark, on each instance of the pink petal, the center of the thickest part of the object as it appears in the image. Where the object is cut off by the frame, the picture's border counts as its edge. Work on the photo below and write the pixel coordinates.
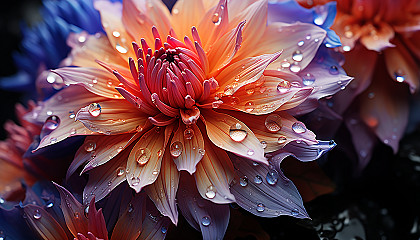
(144, 161)
(96, 222)
(115, 117)
(45, 226)
(218, 126)
(209, 218)
(191, 141)
(163, 191)
(214, 174)
(264, 199)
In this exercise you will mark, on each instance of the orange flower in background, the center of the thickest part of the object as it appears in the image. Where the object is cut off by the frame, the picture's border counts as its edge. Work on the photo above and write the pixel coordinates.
(209, 89)
(379, 41)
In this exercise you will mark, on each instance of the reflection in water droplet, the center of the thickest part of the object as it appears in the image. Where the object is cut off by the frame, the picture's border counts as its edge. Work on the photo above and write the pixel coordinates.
(37, 214)
(120, 171)
(94, 109)
(243, 181)
(297, 56)
(211, 192)
(281, 140)
(300, 43)
(272, 176)
(308, 79)
(258, 179)
(283, 86)
(295, 67)
(237, 133)
(142, 156)
(206, 221)
(260, 207)
(188, 133)
(298, 127)
(273, 123)
(176, 149)
(51, 124)
(89, 146)
(135, 181)
(216, 19)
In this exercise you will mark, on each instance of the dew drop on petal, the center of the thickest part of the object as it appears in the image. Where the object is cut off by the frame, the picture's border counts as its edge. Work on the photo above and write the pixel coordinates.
(295, 212)
(237, 133)
(260, 207)
(89, 146)
(300, 43)
(243, 181)
(176, 149)
(130, 208)
(206, 220)
(56, 81)
(51, 123)
(263, 144)
(258, 179)
(281, 140)
(297, 56)
(250, 152)
(211, 192)
(272, 176)
(142, 156)
(249, 106)
(163, 230)
(188, 133)
(399, 76)
(121, 48)
(298, 127)
(283, 86)
(285, 64)
(37, 214)
(273, 123)
(135, 181)
(94, 109)
(120, 171)
(201, 151)
(71, 114)
(216, 19)
(295, 68)
(333, 70)
(53, 140)
(308, 79)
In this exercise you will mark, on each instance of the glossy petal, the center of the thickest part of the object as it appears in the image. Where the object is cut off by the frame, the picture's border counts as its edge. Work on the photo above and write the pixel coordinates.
(155, 226)
(214, 174)
(209, 218)
(187, 13)
(44, 223)
(163, 191)
(96, 222)
(218, 127)
(264, 199)
(192, 147)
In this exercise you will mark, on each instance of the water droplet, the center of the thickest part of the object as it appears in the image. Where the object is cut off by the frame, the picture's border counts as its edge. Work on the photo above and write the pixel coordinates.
(73, 131)
(135, 181)
(51, 123)
(250, 91)
(130, 208)
(206, 221)
(229, 90)
(211, 192)
(2, 200)
(283, 86)
(333, 70)
(37, 214)
(308, 79)
(94, 109)
(272, 176)
(175, 11)
(81, 39)
(263, 144)
(255, 164)
(56, 81)
(163, 230)
(298, 127)
(399, 76)
(201, 151)
(237, 133)
(90, 146)
(260, 207)
(72, 115)
(295, 67)
(281, 140)
(297, 56)
(188, 133)
(273, 123)
(250, 152)
(258, 179)
(116, 34)
(53, 140)
(120, 171)
(121, 49)
(295, 212)
(143, 155)
(300, 43)
(216, 19)
(243, 181)
(346, 48)
(176, 149)
(249, 106)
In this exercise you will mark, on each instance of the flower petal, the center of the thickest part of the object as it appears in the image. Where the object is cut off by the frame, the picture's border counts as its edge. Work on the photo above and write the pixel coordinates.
(214, 174)
(115, 117)
(163, 191)
(144, 161)
(209, 218)
(185, 14)
(218, 126)
(264, 199)
(377, 37)
(73, 211)
(192, 144)
(302, 151)
(45, 225)
(130, 222)
(274, 140)
(96, 222)
(97, 81)
(215, 23)
(155, 226)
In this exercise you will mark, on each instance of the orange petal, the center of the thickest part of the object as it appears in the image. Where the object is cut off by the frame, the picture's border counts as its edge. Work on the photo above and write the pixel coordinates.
(144, 161)
(97, 81)
(401, 65)
(219, 128)
(264, 128)
(88, 48)
(130, 222)
(163, 191)
(43, 223)
(214, 174)
(243, 72)
(215, 23)
(377, 37)
(73, 212)
(187, 147)
(115, 117)
(185, 14)
(111, 18)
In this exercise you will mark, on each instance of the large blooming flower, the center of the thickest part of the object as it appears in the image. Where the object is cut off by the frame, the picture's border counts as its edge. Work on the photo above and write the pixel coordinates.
(379, 42)
(208, 89)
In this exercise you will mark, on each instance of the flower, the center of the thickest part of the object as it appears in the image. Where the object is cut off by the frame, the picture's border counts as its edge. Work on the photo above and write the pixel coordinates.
(379, 44)
(212, 103)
